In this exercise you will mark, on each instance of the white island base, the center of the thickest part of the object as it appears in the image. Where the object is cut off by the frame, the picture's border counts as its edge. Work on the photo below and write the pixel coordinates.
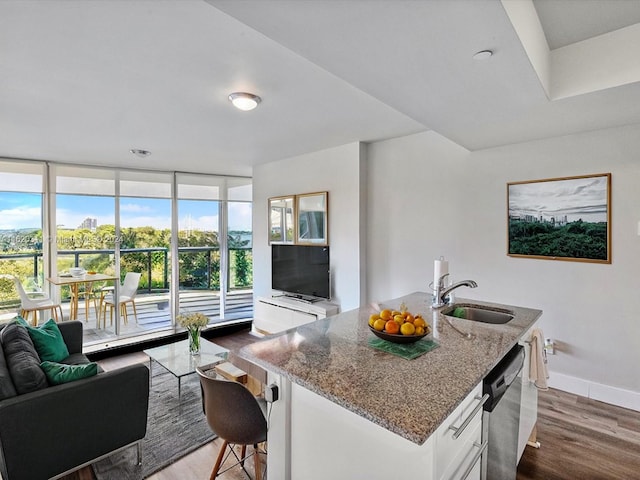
(312, 438)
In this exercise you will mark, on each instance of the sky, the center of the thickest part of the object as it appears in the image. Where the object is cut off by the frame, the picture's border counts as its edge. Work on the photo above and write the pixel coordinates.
(23, 210)
(578, 198)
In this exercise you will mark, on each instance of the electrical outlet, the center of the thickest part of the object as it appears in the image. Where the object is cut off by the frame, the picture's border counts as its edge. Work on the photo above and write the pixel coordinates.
(549, 346)
(271, 393)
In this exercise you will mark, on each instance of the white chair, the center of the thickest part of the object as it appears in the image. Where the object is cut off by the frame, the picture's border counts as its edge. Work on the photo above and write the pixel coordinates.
(128, 291)
(34, 305)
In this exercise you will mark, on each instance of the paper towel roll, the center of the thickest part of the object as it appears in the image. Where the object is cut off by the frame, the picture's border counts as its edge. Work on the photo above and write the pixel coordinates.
(440, 267)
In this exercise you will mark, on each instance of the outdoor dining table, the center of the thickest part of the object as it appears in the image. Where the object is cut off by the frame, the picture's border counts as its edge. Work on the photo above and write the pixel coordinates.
(74, 285)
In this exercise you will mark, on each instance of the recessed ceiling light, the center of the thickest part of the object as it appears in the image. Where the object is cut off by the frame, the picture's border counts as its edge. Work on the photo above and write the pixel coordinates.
(140, 152)
(244, 101)
(483, 55)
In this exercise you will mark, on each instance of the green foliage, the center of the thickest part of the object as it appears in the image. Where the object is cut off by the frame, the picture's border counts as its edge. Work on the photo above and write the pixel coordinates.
(199, 265)
(574, 240)
(241, 271)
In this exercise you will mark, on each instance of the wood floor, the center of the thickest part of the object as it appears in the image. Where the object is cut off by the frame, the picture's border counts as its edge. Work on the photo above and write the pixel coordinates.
(580, 438)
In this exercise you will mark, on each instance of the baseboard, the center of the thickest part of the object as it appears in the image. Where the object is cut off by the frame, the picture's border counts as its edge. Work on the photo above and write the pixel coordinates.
(595, 391)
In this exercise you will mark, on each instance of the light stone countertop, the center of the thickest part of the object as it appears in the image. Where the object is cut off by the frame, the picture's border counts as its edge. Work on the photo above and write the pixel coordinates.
(411, 398)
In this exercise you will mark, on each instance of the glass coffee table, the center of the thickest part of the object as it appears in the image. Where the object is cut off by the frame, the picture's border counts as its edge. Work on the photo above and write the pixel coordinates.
(176, 358)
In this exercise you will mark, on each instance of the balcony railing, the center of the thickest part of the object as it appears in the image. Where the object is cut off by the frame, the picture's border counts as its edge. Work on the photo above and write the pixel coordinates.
(195, 273)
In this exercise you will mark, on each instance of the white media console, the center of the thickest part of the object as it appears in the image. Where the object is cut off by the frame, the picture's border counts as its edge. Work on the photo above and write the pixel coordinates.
(279, 313)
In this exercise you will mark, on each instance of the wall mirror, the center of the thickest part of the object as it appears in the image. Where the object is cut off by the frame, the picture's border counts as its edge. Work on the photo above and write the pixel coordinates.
(281, 223)
(311, 214)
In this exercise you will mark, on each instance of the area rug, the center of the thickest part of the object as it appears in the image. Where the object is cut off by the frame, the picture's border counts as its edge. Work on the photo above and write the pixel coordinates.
(175, 428)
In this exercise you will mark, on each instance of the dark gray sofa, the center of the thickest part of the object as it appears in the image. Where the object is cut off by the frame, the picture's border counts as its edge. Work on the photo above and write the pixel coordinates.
(52, 431)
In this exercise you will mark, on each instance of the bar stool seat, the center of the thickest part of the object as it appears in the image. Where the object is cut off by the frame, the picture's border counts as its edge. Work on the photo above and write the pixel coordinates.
(235, 415)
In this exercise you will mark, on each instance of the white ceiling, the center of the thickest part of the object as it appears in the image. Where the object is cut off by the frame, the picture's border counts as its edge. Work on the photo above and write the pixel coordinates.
(569, 21)
(85, 81)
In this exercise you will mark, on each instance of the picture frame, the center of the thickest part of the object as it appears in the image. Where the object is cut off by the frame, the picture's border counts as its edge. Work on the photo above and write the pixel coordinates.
(282, 219)
(567, 218)
(312, 218)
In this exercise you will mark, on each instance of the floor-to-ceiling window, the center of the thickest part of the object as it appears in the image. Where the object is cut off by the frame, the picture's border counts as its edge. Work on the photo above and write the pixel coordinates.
(83, 201)
(21, 231)
(239, 248)
(145, 248)
(188, 236)
(216, 266)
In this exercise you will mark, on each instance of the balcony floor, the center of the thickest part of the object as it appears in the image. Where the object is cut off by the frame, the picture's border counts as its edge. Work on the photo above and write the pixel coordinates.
(154, 316)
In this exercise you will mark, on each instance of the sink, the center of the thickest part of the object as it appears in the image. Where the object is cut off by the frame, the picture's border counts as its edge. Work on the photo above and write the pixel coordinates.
(479, 313)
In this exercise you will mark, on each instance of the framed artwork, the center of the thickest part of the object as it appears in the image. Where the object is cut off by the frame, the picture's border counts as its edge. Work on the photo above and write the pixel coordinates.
(312, 218)
(281, 215)
(560, 218)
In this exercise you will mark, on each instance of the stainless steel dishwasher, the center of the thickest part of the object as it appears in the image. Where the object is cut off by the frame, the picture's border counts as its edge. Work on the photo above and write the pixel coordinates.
(501, 417)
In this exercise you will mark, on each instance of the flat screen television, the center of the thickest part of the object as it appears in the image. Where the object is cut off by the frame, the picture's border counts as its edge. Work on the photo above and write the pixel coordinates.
(301, 271)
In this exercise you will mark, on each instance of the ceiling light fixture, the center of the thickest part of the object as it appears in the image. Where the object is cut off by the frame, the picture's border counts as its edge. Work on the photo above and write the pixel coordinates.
(483, 55)
(140, 152)
(244, 101)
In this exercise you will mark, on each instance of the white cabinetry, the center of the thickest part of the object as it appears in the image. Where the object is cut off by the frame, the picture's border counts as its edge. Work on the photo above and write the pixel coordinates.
(459, 441)
(312, 438)
(277, 314)
(529, 396)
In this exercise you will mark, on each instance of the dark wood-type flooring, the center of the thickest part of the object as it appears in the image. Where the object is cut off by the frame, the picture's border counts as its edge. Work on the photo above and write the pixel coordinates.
(580, 438)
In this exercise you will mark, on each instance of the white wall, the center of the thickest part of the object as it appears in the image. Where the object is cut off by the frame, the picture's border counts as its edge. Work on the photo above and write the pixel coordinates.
(338, 171)
(428, 197)
(414, 184)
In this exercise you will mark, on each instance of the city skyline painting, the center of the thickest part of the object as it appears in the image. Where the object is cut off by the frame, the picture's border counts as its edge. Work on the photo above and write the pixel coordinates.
(561, 218)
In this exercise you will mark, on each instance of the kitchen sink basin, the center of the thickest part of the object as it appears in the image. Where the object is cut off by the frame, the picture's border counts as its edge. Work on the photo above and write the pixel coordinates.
(478, 313)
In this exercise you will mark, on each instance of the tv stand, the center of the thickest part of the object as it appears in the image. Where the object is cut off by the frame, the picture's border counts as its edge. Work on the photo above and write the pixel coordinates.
(278, 313)
(300, 298)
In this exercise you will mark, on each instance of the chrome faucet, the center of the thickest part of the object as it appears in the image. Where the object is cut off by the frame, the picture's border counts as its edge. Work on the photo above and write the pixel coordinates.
(441, 295)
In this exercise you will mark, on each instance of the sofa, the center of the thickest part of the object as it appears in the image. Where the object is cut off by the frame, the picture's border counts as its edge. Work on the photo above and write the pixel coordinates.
(52, 428)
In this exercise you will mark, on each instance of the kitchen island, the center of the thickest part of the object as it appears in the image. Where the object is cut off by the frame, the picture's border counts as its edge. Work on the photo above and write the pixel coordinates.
(348, 409)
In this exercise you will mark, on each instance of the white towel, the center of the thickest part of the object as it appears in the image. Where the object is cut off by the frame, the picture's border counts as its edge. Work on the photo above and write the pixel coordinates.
(538, 373)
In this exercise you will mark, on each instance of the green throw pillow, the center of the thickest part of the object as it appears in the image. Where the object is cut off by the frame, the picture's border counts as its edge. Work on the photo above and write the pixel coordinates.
(48, 340)
(58, 373)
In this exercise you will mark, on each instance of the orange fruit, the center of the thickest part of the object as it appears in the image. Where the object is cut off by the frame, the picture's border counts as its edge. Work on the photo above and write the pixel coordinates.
(399, 318)
(395, 312)
(420, 331)
(379, 324)
(373, 318)
(386, 314)
(392, 327)
(419, 322)
(409, 318)
(407, 329)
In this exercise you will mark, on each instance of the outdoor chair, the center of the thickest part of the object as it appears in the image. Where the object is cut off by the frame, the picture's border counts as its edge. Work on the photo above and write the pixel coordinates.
(127, 291)
(88, 295)
(236, 416)
(34, 305)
